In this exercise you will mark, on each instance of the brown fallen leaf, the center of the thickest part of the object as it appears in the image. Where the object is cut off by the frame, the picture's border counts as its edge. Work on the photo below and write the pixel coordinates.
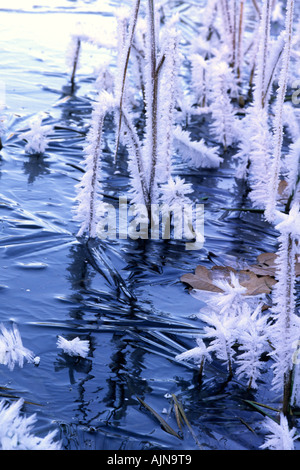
(204, 278)
(266, 265)
(282, 193)
(258, 278)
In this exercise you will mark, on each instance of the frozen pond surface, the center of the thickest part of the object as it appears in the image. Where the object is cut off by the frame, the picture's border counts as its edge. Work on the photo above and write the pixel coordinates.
(51, 284)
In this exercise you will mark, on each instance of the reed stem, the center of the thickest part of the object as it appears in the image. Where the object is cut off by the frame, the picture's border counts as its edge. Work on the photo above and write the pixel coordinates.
(75, 65)
(278, 124)
(124, 71)
(153, 99)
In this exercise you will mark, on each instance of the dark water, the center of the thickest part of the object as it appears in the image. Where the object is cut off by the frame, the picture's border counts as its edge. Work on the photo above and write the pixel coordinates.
(125, 297)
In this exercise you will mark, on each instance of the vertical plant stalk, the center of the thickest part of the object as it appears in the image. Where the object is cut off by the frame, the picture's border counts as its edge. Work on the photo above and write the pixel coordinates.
(123, 72)
(263, 51)
(290, 307)
(287, 313)
(258, 118)
(255, 4)
(134, 144)
(89, 224)
(285, 329)
(240, 41)
(278, 121)
(229, 366)
(225, 9)
(293, 195)
(166, 76)
(152, 97)
(234, 35)
(270, 78)
(88, 199)
(75, 64)
(95, 169)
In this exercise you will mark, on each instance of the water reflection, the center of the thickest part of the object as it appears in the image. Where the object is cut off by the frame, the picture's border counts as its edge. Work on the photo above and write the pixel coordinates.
(124, 382)
(73, 365)
(36, 166)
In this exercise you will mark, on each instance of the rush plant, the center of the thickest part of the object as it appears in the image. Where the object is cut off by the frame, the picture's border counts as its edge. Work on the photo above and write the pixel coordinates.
(153, 50)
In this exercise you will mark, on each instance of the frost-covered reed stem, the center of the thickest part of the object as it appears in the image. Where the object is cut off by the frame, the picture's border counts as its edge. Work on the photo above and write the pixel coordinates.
(223, 113)
(151, 96)
(278, 121)
(120, 84)
(285, 329)
(289, 311)
(240, 40)
(292, 161)
(137, 166)
(167, 81)
(255, 4)
(88, 198)
(234, 34)
(149, 155)
(272, 66)
(232, 13)
(283, 367)
(225, 9)
(75, 63)
(260, 78)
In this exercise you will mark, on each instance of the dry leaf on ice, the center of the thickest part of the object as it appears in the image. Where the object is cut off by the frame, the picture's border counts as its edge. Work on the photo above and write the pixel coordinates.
(204, 278)
(258, 278)
(266, 264)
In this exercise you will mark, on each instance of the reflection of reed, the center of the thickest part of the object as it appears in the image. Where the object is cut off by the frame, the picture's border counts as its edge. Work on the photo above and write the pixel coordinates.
(36, 166)
(80, 277)
(125, 365)
(79, 274)
(125, 381)
(79, 366)
(73, 364)
(73, 109)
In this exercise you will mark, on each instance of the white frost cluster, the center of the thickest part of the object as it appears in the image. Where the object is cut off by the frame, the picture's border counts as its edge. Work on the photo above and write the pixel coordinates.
(37, 137)
(280, 437)
(258, 135)
(224, 125)
(75, 347)
(12, 350)
(231, 298)
(175, 192)
(232, 318)
(253, 342)
(197, 354)
(16, 430)
(197, 153)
